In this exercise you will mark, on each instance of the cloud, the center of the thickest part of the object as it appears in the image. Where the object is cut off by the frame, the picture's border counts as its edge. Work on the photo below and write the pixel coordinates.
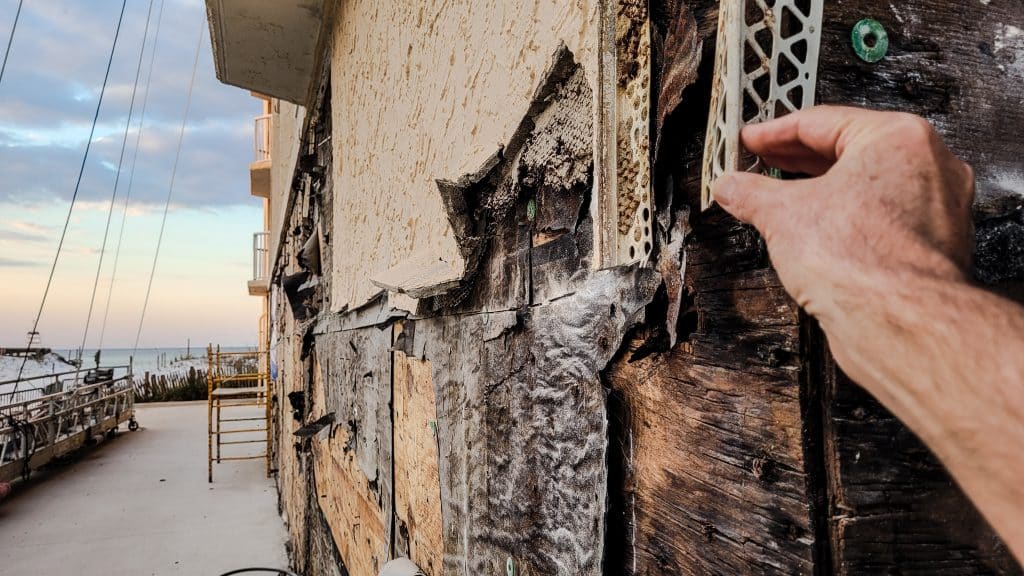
(14, 263)
(50, 92)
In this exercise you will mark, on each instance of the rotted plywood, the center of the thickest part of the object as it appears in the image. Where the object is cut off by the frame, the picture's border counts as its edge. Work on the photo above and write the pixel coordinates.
(350, 506)
(709, 432)
(352, 458)
(417, 482)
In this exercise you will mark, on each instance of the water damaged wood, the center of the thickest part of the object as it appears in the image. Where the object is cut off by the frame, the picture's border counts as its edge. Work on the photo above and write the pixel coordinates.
(892, 506)
(522, 430)
(679, 418)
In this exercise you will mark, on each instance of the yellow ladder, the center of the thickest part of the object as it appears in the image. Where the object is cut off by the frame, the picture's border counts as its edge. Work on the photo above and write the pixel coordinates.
(238, 382)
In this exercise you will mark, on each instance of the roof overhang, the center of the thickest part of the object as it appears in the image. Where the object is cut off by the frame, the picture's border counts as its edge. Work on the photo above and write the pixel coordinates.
(268, 46)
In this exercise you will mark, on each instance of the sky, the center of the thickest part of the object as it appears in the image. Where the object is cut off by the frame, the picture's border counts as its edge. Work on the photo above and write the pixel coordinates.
(48, 96)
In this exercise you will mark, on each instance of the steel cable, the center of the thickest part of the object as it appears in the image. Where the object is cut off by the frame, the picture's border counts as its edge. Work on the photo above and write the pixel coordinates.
(170, 188)
(10, 40)
(117, 180)
(74, 196)
(131, 173)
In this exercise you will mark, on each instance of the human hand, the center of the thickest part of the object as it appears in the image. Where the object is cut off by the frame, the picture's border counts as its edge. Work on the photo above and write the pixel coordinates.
(886, 200)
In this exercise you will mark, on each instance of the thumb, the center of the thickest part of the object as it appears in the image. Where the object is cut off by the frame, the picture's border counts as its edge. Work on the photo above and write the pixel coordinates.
(753, 198)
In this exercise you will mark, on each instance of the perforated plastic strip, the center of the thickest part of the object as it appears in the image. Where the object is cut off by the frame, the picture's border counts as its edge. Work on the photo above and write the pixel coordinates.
(766, 66)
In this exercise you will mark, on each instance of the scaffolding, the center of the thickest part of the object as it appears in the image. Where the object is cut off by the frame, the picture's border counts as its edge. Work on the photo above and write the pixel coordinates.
(56, 414)
(239, 383)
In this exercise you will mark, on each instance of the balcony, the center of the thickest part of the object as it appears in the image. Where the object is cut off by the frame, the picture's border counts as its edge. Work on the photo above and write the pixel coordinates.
(269, 46)
(260, 283)
(259, 170)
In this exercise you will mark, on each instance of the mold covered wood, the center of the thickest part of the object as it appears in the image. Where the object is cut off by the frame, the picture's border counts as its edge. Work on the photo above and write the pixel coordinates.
(417, 481)
(892, 506)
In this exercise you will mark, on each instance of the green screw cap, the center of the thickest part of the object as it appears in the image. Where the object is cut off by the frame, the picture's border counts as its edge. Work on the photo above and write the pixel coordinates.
(531, 210)
(870, 40)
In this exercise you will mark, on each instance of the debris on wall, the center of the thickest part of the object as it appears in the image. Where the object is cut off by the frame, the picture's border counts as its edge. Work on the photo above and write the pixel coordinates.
(631, 420)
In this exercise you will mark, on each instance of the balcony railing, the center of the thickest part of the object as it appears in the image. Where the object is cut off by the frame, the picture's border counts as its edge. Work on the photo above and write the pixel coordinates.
(261, 256)
(261, 138)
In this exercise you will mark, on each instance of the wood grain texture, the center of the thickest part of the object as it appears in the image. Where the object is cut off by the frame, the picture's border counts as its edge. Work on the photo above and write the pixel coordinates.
(893, 507)
(353, 458)
(716, 481)
(709, 435)
(417, 481)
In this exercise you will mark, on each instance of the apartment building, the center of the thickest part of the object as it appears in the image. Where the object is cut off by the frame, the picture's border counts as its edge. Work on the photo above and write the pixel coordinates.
(507, 338)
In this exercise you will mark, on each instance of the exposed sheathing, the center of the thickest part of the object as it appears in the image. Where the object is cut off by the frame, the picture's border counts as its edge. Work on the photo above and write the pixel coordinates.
(291, 463)
(716, 483)
(520, 481)
(735, 452)
(709, 469)
(417, 481)
(426, 90)
(323, 557)
(520, 477)
(353, 459)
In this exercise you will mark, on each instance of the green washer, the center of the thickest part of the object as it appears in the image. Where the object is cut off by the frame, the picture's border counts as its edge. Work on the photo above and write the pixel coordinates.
(870, 40)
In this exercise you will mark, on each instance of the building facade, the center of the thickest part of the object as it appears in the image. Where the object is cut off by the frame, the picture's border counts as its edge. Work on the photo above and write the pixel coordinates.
(506, 338)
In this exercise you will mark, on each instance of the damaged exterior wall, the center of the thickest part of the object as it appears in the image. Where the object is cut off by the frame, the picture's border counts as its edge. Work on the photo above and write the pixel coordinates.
(545, 403)
(286, 136)
(424, 91)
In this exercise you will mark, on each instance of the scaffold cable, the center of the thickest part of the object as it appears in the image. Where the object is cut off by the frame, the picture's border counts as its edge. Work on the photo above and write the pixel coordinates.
(10, 40)
(170, 187)
(74, 196)
(117, 180)
(131, 173)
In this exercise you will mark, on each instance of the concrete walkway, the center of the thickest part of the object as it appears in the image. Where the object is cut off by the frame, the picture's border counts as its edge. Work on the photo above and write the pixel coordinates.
(140, 505)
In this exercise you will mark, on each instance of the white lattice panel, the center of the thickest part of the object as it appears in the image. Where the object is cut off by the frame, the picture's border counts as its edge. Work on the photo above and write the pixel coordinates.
(766, 66)
(632, 121)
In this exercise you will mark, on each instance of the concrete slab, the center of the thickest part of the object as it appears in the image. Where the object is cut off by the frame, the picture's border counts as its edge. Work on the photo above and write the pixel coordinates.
(140, 505)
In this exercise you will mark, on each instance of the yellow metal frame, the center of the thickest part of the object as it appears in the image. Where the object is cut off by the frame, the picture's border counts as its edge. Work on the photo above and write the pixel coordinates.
(222, 392)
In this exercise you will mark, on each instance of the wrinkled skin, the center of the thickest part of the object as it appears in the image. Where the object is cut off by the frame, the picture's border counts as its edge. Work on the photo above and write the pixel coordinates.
(876, 244)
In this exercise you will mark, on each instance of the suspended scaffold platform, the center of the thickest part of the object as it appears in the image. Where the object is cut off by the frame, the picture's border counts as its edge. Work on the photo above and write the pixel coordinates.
(239, 382)
(50, 416)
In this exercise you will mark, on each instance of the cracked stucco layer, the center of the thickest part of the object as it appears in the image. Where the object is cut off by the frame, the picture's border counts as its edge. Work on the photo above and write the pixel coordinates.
(422, 92)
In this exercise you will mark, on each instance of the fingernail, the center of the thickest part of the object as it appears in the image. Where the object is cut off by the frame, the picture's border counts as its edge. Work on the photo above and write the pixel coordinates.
(724, 189)
(750, 129)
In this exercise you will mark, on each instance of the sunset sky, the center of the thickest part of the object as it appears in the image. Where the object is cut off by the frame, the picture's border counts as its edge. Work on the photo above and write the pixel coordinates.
(47, 100)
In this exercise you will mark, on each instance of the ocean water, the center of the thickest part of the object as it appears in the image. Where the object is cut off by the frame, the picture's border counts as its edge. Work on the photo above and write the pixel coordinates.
(153, 360)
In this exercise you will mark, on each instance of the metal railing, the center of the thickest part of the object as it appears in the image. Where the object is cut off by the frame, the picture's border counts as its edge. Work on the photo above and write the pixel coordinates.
(261, 138)
(261, 256)
(35, 431)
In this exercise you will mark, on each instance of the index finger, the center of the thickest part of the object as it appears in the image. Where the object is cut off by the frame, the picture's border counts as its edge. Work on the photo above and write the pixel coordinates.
(809, 141)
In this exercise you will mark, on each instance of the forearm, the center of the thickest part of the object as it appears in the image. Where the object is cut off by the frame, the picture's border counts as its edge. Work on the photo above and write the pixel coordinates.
(948, 360)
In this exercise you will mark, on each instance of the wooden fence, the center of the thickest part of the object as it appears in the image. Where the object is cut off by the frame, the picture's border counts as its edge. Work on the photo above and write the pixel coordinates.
(176, 386)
